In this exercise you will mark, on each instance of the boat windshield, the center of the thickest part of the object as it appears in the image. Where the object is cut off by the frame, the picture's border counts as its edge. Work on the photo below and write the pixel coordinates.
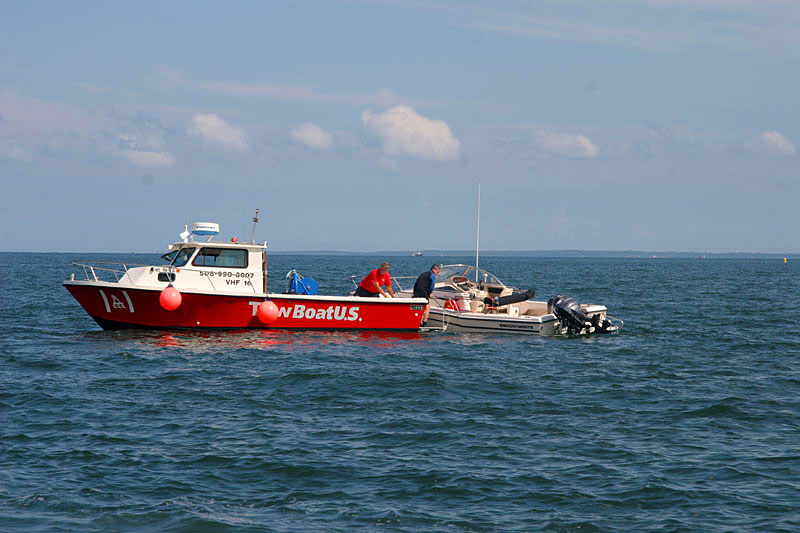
(169, 256)
(182, 257)
(468, 271)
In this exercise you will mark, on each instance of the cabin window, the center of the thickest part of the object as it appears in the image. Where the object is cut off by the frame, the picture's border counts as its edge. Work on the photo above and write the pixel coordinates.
(221, 257)
(183, 257)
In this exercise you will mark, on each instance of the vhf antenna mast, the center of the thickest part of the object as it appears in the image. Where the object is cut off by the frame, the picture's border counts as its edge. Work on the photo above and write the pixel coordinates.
(255, 221)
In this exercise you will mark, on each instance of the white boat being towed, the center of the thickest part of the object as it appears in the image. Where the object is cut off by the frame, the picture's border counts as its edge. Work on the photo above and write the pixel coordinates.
(470, 299)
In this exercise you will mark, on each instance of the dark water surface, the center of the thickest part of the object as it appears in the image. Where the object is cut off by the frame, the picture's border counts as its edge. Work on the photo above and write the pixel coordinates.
(689, 420)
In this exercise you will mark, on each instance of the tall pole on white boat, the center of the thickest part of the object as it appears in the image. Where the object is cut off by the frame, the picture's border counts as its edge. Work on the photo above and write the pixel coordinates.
(478, 237)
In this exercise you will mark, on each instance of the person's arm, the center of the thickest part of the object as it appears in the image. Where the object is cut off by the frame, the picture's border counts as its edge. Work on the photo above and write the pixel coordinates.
(388, 281)
(377, 283)
(383, 292)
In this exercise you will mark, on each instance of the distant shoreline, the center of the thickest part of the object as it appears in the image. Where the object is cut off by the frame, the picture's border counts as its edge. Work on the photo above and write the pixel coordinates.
(627, 254)
(434, 254)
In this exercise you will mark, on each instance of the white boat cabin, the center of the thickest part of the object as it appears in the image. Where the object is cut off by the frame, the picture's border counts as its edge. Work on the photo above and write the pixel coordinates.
(216, 266)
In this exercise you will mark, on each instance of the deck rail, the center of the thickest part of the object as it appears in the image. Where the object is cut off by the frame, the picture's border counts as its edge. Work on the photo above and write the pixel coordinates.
(104, 270)
(395, 281)
(114, 271)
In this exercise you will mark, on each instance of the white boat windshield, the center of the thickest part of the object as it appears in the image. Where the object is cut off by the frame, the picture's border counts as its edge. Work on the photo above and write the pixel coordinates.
(447, 272)
(178, 258)
(169, 256)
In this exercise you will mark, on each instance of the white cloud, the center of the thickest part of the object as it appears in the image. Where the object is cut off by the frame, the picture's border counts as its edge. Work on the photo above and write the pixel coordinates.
(142, 158)
(143, 139)
(9, 150)
(140, 142)
(30, 117)
(749, 5)
(771, 143)
(312, 136)
(301, 93)
(61, 130)
(564, 144)
(218, 134)
(405, 132)
(653, 140)
(655, 25)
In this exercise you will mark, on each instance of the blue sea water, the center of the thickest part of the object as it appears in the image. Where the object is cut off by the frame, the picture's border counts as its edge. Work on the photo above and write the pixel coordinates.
(689, 420)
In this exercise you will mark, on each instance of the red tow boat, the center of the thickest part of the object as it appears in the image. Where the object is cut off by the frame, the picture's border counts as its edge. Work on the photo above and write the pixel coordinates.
(223, 285)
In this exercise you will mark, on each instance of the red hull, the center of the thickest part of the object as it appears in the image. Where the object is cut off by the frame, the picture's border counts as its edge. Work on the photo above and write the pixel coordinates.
(115, 307)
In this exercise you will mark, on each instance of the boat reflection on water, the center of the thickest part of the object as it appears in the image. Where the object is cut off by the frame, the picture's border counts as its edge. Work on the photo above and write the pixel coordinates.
(231, 340)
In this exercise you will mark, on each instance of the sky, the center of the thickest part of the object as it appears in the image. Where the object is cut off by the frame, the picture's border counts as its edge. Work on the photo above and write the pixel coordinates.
(660, 125)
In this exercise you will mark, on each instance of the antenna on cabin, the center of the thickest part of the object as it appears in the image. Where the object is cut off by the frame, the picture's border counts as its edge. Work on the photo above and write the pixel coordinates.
(255, 221)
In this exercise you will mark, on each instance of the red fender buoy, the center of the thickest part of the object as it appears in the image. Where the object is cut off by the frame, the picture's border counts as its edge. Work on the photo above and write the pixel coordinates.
(170, 298)
(267, 311)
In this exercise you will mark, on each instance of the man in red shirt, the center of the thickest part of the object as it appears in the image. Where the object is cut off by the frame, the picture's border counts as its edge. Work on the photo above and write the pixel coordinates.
(372, 282)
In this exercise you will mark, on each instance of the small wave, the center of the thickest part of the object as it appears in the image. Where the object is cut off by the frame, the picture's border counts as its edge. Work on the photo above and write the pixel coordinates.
(719, 410)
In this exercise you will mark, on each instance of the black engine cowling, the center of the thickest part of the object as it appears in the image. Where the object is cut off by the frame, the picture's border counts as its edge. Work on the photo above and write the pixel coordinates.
(568, 311)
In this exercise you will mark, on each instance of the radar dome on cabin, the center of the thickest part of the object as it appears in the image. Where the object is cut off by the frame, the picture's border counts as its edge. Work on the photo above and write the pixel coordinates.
(205, 229)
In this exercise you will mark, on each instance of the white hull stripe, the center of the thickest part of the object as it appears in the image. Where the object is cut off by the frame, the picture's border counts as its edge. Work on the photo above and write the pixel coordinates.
(128, 298)
(105, 301)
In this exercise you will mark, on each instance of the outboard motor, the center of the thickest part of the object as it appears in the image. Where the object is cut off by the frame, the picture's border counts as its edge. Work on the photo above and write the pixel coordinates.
(568, 311)
(513, 298)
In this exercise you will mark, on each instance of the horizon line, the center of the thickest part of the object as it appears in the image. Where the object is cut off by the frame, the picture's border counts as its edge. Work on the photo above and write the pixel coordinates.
(437, 252)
